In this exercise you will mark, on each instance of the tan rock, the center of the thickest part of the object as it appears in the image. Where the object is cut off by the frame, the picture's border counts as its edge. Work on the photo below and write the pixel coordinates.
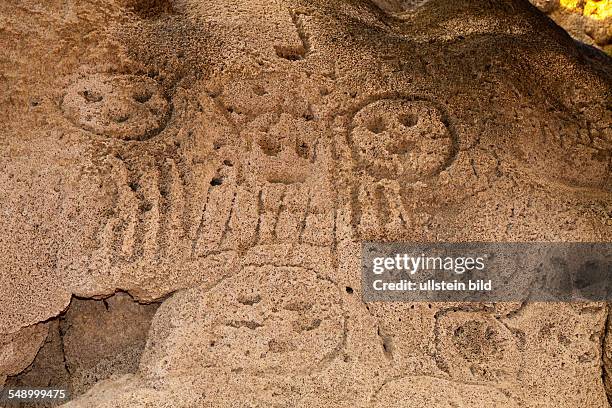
(589, 21)
(235, 155)
(17, 350)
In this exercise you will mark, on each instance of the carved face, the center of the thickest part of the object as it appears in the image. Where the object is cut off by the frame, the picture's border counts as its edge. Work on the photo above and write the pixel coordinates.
(126, 107)
(402, 139)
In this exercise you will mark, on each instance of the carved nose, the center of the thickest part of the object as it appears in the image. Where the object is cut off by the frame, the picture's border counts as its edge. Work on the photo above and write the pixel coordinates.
(401, 146)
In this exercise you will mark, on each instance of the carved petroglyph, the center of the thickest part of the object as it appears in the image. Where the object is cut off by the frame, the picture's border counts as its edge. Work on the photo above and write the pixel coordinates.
(256, 322)
(225, 175)
(280, 188)
(286, 133)
(127, 107)
(160, 188)
(402, 139)
(398, 143)
(477, 347)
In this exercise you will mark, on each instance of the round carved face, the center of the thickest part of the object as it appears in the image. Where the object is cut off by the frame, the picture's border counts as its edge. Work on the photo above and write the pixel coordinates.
(126, 107)
(257, 321)
(402, 139)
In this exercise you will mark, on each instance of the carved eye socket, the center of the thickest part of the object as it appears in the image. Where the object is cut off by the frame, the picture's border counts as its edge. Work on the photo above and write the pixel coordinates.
(409, 120)
(143, 96)
(92, 96)
(270, 146)
(376, 125)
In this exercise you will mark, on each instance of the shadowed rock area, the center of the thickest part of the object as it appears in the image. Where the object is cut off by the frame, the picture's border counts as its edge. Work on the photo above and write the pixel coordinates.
(234, 155)
(93, 340)
(589, 21)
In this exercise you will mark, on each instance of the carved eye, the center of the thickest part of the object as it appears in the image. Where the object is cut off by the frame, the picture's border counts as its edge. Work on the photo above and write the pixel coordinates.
(376, 124)
(408, 120)
(92, 96)
(143, 96)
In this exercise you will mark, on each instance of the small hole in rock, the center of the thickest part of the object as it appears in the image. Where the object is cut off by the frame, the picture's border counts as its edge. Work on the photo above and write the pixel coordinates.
(217, 181)
(409, 120)
(92, 96)
(143, 97)
(228, 163)
(349, 290)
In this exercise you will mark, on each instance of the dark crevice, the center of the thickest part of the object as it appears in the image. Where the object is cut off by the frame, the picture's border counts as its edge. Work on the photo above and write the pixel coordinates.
(606, 362)
(92, 340)
(147, 9)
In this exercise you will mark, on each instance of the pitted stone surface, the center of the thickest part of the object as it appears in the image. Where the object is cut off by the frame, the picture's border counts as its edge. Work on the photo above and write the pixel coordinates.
(125, 107)
(257, 322)
(229, 159)
(403, 139)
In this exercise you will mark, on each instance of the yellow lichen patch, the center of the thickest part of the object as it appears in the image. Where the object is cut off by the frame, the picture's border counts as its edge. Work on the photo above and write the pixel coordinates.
(570, 4)
(596, 9)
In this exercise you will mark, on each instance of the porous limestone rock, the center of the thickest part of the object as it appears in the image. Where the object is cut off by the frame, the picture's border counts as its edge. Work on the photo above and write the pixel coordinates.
(589, 21)
(236, 154)
(17, 350)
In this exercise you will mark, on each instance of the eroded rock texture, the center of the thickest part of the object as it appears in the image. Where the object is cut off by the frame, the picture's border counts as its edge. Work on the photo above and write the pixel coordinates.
(235, 154)
(589, 21)
(92, 340)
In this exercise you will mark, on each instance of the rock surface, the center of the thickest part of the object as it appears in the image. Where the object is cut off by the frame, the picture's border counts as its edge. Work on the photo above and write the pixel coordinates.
(92, 340)
(589, 21)
(235, 155)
